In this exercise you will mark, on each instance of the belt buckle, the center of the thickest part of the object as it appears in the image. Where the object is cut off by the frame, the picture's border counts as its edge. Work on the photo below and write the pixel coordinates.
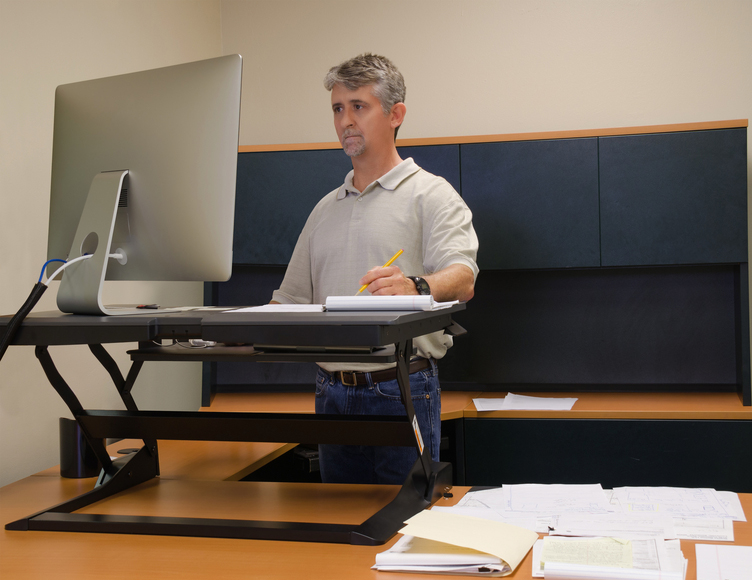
(353, 378)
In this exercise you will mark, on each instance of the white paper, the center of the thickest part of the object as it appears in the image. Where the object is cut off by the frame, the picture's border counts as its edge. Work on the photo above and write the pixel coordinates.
(282, 308)
(366, 303)
(496, 404)
(491, 570)
(615, 525)
(679, 502)
(717, 562)
(733, 505)
(704, 529)
(514, 402)
(555, 498)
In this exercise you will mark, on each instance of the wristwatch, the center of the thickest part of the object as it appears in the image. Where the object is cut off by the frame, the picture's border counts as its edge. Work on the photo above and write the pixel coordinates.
(421, 285)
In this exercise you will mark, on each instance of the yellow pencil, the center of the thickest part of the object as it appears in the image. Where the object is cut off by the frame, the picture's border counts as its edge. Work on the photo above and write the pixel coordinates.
(389, 263)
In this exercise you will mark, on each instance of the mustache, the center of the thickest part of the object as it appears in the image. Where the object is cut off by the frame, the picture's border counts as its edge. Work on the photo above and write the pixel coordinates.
(351, 133)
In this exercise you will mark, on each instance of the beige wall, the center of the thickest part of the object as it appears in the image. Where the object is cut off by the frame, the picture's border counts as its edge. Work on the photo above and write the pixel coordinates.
(44, 44)
(472, 67)
(477, 67)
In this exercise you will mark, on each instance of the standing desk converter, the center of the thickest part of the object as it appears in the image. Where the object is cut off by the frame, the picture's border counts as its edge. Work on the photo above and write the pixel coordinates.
(325, 336)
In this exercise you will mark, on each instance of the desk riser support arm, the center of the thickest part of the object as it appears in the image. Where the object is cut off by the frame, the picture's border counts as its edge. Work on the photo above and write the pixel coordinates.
(404, 352)
(69, 398)
(124, 387)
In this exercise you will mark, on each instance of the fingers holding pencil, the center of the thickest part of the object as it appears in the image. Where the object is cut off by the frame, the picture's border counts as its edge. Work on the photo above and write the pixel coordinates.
(368, 278)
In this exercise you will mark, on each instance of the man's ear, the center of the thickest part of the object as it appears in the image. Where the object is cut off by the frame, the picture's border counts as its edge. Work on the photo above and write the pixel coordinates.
(398, 114)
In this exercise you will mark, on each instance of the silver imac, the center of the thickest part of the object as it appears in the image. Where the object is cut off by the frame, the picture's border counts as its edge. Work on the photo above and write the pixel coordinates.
(143, 179)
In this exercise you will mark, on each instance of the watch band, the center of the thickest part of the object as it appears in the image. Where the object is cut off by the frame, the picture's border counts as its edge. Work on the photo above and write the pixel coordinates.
(421, 285)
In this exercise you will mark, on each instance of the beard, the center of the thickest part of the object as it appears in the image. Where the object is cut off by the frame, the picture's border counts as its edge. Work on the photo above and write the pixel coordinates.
(353, 147)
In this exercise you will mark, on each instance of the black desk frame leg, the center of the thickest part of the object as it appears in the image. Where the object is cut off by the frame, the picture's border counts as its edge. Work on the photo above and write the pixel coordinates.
(124, 387)
(117, 475)
(404, 352)
(69, 397)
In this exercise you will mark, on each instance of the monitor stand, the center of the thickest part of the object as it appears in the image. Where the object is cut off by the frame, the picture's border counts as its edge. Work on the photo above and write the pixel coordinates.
(80, 289)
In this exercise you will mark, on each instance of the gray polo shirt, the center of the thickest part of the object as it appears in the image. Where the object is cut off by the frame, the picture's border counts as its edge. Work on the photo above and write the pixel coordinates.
(349, 232)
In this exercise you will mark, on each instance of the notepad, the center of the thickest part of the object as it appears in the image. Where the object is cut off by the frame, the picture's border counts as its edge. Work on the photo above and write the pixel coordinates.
(334, 303)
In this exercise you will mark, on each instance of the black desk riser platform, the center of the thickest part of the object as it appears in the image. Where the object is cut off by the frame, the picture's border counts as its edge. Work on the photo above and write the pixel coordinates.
(390, 333)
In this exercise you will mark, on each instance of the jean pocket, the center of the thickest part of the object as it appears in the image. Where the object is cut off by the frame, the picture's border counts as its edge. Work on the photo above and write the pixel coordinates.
(322, 382)
(391, 390)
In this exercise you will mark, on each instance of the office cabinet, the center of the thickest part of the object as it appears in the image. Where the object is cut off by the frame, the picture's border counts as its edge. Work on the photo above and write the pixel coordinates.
(610, 261)
(534, 203)
(276, 190)
(674, 198)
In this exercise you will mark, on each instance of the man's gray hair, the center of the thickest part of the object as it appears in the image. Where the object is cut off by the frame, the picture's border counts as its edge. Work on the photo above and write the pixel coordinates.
(370, 69)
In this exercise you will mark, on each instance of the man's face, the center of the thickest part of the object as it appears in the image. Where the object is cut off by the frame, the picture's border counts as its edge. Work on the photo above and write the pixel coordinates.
(360, 122)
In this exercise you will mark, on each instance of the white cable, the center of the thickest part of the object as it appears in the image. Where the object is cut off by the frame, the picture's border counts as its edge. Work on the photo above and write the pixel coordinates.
(64, 266)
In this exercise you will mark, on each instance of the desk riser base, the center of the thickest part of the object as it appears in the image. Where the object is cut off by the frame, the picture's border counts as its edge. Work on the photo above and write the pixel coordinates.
(376, 530)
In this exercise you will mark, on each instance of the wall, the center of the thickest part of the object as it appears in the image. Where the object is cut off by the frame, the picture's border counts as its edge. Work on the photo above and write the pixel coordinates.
(481, 67)
(44, 44)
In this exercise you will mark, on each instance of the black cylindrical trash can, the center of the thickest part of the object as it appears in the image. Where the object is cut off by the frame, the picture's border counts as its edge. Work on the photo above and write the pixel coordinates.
(77, 458)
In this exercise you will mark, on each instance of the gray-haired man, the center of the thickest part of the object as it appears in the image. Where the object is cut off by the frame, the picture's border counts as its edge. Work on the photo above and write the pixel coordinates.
(385, 204)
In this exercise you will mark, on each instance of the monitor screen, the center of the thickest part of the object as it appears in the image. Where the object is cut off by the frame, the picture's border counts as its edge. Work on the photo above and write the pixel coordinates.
(162, 146)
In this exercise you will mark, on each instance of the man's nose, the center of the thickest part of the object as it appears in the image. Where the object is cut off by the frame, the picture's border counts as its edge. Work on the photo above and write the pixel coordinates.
(346, 119)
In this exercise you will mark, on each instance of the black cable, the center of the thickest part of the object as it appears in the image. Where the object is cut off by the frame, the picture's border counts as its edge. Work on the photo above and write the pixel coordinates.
(18, 318)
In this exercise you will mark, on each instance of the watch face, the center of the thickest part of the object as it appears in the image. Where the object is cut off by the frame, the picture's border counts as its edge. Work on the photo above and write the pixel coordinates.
(421, 285)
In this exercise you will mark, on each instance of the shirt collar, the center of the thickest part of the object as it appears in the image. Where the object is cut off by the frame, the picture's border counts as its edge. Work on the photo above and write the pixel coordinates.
(389, 181)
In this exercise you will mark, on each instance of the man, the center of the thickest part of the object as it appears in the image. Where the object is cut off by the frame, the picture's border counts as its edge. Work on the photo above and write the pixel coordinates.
(385, 204)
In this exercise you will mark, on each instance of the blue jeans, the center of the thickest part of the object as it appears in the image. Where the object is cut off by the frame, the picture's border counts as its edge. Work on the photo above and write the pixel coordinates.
(367, 464)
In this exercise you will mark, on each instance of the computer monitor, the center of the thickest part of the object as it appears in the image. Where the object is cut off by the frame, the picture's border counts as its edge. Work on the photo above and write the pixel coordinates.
(144, 166)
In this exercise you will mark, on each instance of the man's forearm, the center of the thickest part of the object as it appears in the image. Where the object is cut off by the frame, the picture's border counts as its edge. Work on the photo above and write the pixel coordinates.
(455, 282)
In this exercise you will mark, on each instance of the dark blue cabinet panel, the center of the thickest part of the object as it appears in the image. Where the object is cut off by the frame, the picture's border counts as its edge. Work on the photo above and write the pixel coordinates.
(612, 452)
(275, 193)
(632, 328)
(441, 160)
(534, 203)
(674, 198)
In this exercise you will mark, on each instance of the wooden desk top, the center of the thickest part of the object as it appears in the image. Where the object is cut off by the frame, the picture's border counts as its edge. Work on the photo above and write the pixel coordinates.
(33, 555)
(459, 404)
(698, 406)
(453, 403)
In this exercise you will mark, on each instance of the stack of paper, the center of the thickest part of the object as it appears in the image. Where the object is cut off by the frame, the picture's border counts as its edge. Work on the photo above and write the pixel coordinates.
(514, 402)
(627, 512)
(437, 542)
(608, 558)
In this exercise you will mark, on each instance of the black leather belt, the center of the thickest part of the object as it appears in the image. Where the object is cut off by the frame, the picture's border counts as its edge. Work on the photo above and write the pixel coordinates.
(353, 378)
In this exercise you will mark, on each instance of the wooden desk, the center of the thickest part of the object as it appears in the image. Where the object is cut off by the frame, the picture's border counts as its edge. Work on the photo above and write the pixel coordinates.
(78, 556)
(191, 471)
